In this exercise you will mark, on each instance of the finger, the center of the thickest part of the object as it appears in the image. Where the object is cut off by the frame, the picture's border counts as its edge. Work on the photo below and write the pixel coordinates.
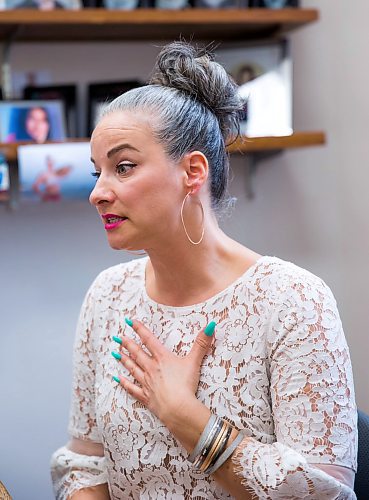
(137, 354)
(133, 369)
(154, 346)
(202, 343)
(132, 389)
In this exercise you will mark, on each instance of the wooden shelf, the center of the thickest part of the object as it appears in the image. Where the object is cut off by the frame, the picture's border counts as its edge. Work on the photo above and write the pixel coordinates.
(10, 149)
(243, 145)
(150, 24)
(259, 144)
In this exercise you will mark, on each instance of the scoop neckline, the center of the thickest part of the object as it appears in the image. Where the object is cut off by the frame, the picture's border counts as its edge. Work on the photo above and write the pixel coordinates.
(197, 305)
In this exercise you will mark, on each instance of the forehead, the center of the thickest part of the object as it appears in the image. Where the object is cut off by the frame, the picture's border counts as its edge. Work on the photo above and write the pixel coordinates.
(123, 127)
(122, 123)
(37, 112)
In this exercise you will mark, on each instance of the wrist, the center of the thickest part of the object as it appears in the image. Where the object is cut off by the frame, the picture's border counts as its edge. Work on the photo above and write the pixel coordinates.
(187, 421)
(176, 412)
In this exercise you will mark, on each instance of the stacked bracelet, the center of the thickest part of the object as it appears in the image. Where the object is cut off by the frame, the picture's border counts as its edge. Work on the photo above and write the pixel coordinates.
(211, 449)
(227, 453)
(218, 446)
(201, 442)
(221, 448)
(208, 443)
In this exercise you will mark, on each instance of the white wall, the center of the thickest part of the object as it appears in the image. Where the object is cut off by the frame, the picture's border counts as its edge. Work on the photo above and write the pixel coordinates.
(50, 254)
(310, 207)
(331, 91)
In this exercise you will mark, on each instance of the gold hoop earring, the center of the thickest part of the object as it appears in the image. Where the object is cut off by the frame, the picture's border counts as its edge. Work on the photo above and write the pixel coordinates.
(184, 225)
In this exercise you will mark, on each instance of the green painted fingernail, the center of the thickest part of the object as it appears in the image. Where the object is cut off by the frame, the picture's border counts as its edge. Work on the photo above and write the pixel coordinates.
(116, 355)
(209, 330)
(117, 340)
(116, 379)
(129, 322)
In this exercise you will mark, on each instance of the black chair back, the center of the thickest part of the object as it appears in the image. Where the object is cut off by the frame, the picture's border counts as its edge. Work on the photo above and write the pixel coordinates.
(361, 487)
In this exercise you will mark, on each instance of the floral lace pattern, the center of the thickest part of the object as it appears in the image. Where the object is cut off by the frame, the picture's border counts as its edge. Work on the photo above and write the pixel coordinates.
(278, 472)
(279, 369)
(70, 472)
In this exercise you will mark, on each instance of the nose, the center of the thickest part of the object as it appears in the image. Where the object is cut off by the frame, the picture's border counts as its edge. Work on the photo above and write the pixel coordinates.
(101, 193)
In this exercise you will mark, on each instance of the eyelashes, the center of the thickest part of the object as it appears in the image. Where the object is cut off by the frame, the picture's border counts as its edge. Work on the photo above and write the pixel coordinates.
(124, 168)
(121, 169)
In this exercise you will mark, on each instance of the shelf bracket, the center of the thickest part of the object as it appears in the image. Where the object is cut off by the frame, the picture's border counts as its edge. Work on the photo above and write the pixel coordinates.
(13, 201)
(251, 164)
(252, 161)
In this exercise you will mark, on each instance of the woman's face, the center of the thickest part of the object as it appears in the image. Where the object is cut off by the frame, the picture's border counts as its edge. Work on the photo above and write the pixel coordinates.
(139, 190)
(37, 124)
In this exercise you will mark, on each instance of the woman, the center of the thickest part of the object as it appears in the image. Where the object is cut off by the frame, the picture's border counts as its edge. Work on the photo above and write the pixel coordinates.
(229, 374)
(32, 124)
(37, 124)
(47, 183)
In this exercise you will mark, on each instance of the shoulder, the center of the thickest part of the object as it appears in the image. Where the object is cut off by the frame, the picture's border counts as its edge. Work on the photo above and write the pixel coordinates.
(279, 280)
(298, 302)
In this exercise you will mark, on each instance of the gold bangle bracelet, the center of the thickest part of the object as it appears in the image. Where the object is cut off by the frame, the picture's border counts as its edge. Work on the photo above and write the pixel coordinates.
(208, 444)
(222, 446)
(214, 448)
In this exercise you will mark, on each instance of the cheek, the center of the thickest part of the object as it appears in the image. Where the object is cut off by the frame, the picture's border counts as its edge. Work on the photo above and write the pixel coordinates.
(152, 203)
(153, 192)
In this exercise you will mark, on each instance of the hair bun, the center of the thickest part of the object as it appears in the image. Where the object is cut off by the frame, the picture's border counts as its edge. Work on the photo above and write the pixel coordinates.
(194, 72)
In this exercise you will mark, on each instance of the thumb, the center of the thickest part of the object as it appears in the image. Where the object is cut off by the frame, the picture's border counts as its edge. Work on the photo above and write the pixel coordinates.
(202, 343)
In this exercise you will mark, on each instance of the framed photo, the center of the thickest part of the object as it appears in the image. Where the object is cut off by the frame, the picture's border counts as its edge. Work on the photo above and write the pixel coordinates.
(35, 121)
(274, 4)
(65, 93)
(4, 179)
(121, 4)
(101, 94)
(43, 4)
(130, 4)
(53, 172)
(264, 75)
(172, 4)
(220, 4)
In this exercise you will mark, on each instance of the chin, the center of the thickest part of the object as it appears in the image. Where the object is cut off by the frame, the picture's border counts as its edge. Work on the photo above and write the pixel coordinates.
(115, 246)
(119, 245)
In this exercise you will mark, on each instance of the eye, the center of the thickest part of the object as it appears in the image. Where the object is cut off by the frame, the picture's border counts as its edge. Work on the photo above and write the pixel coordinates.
(95, 174)
(124, 167)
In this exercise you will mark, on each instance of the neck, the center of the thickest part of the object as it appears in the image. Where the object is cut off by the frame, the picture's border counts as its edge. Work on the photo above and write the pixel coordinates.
(182, 274)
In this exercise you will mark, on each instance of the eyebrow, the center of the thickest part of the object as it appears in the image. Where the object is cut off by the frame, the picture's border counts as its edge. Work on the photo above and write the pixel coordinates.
(118, 148)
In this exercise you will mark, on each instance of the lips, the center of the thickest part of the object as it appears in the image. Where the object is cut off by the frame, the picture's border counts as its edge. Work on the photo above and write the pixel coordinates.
(112, 220)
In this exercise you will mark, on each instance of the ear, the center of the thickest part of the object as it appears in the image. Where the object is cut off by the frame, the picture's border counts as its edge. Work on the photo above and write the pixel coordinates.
(196, 170)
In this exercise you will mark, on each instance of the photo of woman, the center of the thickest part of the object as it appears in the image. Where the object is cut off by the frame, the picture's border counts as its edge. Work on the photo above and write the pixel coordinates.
(32, 121)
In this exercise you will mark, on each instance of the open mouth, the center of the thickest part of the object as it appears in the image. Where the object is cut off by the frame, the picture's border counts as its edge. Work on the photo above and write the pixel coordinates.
(113, 220)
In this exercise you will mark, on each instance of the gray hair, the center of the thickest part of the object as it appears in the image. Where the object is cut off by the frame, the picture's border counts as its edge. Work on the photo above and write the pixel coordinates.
(195, 107)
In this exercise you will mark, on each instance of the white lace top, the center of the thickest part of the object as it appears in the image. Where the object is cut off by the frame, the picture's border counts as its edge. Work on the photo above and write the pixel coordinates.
(279, 369)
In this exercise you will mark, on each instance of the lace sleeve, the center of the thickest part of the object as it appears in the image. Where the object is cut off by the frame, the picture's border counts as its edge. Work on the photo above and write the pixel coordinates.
(73, 471)
(312, 398)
